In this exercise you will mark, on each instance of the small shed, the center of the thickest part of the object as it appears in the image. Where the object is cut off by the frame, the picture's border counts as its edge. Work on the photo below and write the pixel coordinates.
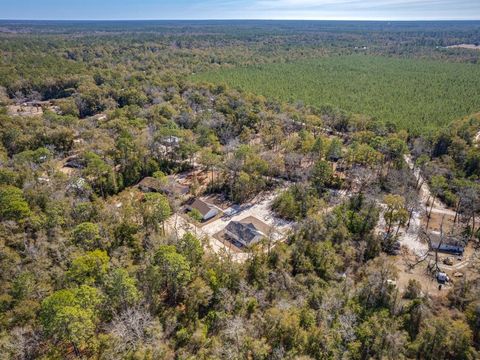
(206, 210)
(442, 278)
(171, 141)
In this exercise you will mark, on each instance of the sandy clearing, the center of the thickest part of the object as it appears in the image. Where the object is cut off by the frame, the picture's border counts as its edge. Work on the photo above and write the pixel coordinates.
(419, 273)
(410, 238)
(464, 46)
(476, 140)
(424, 191)
(258, 208)
(177, 225)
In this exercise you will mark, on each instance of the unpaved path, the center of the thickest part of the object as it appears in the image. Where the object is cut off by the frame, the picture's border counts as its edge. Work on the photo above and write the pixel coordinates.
(410, 237)
(424, 191)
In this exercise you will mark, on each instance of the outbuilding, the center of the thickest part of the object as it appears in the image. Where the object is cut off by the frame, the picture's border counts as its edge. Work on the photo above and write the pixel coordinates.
(206, 210)
(442, 278)
(449, 249)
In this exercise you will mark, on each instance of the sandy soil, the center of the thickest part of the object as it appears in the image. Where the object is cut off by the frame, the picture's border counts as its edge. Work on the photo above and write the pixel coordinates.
(258, 208)
(27, 111)
(410, 238)
(436, 219)
(407, 237)
(178, 225)
(477, 139)
(424, 191)
(465, 46)
(465, 266)
(200, 176)
(419, 273)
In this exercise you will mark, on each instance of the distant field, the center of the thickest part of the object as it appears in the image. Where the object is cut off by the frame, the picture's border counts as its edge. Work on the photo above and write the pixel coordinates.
(418, 95)
(465, 46)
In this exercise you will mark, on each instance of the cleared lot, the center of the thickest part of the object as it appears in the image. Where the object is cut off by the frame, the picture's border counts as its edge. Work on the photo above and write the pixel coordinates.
(259, 208)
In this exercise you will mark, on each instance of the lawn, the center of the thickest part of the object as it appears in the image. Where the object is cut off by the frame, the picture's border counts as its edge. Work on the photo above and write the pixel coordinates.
(418, 95)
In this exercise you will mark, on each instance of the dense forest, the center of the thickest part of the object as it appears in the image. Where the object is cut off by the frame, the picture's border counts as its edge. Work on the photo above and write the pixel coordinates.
(124, 182)
(417, 95)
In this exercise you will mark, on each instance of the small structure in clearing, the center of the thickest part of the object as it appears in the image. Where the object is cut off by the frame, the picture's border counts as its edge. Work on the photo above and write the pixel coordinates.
(449, 249)
(171, 141)
(442, 278)
(207, 211)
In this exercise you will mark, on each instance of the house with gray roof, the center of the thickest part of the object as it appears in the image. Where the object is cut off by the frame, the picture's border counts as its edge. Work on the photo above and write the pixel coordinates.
(246, 233)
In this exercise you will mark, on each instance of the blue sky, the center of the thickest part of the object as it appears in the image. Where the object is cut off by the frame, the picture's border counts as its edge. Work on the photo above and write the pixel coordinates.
(241, 9)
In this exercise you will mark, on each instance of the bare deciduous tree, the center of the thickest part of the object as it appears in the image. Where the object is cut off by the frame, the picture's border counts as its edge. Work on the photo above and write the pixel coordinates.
(130, 328)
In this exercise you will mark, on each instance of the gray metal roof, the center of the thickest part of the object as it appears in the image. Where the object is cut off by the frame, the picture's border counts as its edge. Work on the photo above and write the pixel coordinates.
(244, 231)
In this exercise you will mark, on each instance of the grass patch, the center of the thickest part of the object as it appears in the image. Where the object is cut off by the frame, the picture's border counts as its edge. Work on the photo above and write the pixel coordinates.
(418, 95)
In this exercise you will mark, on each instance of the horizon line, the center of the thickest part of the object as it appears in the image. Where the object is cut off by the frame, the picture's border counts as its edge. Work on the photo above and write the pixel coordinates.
(248, 19)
